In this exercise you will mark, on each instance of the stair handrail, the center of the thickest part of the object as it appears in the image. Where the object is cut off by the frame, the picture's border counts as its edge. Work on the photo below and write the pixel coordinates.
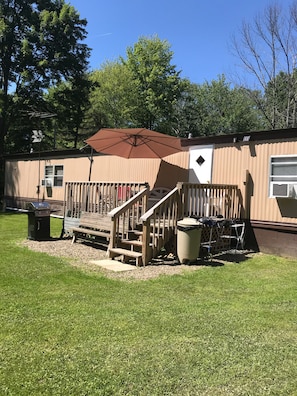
(168, 218)
(149, 213)
(139, 201)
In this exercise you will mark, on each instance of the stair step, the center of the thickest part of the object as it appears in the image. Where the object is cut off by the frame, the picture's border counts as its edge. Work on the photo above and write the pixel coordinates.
(137, 232)
(132, 242)
(113, 252)
(135, 243)
(140, 233)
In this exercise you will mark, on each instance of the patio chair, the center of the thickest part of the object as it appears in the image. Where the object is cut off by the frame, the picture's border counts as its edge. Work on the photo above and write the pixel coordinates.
(156, 194)
(124, 193)
(237, 234)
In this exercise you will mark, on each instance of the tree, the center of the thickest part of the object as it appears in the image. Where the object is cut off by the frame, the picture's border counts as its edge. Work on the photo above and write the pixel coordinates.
(69, 101)
(113, 97)
(186, 110)
(267, 50)
(157, 83)
(280, 98)
(40, 45)
(140, 91)
(215, 108)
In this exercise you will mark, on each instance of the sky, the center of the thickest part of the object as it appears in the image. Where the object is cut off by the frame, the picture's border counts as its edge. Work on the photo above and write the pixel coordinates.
(199, 31)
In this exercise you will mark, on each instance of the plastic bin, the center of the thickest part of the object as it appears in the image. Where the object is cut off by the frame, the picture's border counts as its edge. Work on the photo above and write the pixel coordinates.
(39, 221)
(188, 239)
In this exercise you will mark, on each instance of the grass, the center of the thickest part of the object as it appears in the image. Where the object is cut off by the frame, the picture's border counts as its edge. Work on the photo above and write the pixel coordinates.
(229, 330)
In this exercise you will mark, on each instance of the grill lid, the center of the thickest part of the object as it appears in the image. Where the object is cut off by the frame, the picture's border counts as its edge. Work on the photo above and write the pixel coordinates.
(38, 206)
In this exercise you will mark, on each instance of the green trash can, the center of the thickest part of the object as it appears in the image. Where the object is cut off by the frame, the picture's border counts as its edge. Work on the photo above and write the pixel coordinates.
(188, 239)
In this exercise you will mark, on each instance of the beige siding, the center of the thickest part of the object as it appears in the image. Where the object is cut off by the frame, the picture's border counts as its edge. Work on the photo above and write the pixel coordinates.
(22, 176)
(156, 172)
(230, 164)
(22, 179)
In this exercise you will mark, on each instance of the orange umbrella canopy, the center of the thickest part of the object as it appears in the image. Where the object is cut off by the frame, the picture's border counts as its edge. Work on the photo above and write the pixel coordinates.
(134, 143)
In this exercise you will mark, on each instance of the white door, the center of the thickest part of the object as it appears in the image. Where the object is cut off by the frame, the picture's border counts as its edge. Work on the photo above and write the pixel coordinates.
(200, 164)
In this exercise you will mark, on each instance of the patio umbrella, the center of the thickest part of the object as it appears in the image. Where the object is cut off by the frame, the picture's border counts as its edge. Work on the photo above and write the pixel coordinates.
(134, 143)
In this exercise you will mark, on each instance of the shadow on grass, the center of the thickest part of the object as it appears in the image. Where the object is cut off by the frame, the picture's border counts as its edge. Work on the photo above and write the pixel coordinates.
(234, 256)
(218, 260)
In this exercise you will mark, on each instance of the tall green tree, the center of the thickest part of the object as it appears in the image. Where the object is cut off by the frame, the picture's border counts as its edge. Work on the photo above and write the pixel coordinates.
(157, 83)
(40, 45)
(186, 119)
(113, 97)
(215, 108)
(280, 100)
(69, 100)
(224, 109)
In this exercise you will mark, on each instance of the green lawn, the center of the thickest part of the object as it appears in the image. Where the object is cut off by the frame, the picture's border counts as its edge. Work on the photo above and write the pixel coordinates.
(229, 330)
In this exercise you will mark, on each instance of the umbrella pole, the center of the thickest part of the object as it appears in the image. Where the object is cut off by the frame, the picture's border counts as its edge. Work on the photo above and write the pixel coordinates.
(91, 163)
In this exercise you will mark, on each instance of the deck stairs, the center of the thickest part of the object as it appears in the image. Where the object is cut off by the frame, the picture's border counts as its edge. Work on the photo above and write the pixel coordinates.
(149, 229)
(132, 247)
(139, 230)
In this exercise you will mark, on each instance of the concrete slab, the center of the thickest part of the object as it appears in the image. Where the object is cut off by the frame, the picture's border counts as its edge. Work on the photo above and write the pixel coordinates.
(114, 265)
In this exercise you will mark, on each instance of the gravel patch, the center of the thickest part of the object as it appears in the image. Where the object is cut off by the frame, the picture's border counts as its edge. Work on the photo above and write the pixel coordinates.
(80, 254)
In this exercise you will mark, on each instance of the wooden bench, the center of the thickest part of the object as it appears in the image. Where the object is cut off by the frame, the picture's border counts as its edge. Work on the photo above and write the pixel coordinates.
(92, 224)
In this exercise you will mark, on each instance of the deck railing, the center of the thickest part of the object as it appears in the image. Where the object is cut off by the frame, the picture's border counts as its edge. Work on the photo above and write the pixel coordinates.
(159, 224)
(127, 217)
(206, 200)
(187, 199)
(97, 197)
(94, 197)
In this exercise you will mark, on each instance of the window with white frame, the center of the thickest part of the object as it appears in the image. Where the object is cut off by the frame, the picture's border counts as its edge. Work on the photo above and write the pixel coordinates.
(283, 176)
(53, 175)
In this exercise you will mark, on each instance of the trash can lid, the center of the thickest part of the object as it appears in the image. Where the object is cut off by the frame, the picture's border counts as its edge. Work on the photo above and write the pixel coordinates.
(189, 222)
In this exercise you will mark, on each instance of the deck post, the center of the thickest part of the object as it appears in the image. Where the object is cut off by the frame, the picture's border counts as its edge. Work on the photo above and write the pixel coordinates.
(146, 252)
(181, 200)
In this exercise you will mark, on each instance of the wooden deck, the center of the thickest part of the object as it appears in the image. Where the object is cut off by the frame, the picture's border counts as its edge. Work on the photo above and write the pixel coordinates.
(132, 230)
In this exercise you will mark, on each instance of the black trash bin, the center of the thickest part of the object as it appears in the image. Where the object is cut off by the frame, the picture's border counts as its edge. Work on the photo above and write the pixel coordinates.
(39, 221)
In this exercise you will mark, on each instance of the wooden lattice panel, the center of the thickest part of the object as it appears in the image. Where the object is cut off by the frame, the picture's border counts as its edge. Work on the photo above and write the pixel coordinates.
(219, 244)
